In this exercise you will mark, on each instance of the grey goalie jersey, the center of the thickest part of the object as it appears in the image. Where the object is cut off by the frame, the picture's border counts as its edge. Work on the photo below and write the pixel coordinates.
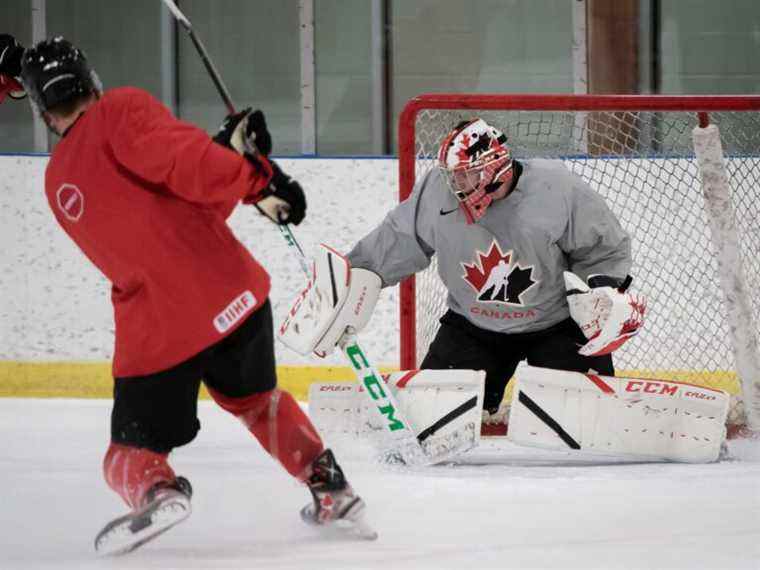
(503, 273)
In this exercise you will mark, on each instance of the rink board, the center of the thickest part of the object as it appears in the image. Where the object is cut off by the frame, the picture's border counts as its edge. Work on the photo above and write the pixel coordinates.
(94, 380)
(56, 318)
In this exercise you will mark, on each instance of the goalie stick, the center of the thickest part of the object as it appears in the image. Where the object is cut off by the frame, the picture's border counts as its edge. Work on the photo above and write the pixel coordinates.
(404, 445)
(442, 406)
(330, 311)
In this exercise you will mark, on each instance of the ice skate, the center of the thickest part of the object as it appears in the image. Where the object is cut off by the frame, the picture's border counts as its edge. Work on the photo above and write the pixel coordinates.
(335, 505)
(166, 505)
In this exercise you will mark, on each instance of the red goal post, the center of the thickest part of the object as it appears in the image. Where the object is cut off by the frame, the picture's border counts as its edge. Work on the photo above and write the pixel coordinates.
(639, 153)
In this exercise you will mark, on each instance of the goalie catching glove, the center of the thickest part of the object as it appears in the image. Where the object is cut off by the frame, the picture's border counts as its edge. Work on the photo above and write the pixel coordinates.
(337, 297)
(607, 315)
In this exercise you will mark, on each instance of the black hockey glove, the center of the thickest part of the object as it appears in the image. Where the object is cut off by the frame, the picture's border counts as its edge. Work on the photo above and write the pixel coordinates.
(283, 201)
(245, 132)
(10, 56)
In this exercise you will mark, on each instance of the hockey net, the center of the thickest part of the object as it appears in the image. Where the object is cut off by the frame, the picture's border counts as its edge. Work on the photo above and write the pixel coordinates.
(638, 153)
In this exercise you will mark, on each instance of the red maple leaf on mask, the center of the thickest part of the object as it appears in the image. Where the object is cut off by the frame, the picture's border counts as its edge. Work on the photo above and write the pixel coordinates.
(462, 151)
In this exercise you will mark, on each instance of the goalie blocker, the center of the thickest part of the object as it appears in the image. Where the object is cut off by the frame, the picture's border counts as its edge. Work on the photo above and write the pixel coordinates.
(646, 418)
(336, 298)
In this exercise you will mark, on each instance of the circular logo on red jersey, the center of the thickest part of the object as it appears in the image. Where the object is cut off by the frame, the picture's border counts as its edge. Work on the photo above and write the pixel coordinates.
(70, 201)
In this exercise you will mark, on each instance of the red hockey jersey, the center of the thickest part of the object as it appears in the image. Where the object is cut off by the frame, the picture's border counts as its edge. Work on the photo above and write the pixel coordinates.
(146, 197)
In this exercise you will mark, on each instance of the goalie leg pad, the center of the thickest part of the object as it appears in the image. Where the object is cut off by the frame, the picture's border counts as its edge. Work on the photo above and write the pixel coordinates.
(646, 418)
(442, 406)
(276, 420)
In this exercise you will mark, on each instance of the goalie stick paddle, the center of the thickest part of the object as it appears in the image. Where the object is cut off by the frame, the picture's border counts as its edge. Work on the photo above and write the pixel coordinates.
(442, 406)
(405, 447)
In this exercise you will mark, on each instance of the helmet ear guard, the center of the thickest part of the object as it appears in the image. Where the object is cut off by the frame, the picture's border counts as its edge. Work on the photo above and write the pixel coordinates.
(476, 162)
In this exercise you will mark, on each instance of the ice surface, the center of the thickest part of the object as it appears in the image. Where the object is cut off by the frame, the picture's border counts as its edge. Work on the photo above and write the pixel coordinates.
(501, 507)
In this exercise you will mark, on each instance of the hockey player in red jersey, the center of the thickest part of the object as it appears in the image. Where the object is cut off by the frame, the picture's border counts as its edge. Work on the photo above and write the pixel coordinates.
(146, 198)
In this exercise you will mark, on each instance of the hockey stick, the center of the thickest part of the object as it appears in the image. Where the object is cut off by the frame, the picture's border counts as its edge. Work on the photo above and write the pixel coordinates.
(408, 449)
(223, 92)
(215, 77)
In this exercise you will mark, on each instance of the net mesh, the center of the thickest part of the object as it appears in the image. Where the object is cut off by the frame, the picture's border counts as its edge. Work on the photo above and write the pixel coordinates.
(643, 164)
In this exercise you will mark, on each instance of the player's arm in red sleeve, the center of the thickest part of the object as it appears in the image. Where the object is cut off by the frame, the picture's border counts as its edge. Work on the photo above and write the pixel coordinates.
(181, 158)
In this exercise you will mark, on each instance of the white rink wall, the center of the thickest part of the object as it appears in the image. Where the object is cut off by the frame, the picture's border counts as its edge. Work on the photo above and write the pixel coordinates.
(54, 305)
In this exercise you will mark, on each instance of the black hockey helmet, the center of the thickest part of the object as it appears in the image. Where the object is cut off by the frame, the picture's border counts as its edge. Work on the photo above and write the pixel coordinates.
(55, 72)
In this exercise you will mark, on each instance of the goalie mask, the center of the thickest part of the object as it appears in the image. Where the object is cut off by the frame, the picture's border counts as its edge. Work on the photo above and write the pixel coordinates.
(55, 72)
(476, 162)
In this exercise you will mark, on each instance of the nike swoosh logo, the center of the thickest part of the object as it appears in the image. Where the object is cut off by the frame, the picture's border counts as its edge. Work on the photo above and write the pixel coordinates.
(449, 211)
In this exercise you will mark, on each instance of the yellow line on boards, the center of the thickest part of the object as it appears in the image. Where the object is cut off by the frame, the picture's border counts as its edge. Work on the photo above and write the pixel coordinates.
(20, 379)
(94, 380)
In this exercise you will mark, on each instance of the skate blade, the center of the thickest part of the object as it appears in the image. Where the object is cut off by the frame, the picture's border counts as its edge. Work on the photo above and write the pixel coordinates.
(118, 538)
(356, 529)
(345, 529)
(352, 525)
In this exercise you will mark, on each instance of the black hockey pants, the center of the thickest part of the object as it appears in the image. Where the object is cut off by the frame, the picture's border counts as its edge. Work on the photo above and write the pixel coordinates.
(460, 344)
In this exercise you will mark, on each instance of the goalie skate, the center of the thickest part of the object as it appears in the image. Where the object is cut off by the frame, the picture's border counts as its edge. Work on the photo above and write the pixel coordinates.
(336, 508)
(165, 506)
(496, 423)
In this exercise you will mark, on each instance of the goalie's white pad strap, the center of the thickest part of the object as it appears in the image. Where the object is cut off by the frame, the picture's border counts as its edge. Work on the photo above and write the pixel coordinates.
(646, 418)
(337, 297)
(442, 406)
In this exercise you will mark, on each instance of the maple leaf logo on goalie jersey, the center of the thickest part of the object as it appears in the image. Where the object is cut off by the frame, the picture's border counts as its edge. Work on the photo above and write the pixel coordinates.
(496, 278)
